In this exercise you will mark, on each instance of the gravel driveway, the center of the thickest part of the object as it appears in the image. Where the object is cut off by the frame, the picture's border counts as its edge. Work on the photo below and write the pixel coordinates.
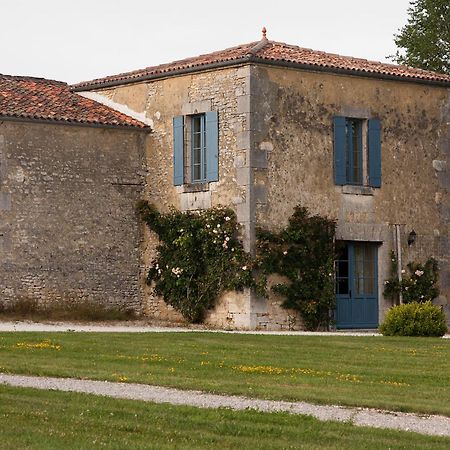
(431, 425)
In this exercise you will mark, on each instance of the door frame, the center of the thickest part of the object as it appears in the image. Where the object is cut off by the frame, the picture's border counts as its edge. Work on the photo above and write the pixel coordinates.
(351, 297)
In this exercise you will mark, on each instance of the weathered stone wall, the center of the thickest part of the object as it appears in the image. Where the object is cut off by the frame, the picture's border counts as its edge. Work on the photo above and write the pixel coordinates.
(228, 92)
(293, 132)
(276, 151)
(68, 228)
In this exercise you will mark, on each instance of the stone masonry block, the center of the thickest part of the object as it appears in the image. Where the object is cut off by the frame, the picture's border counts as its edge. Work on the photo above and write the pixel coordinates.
(243, 104)
(5, 201)
(191, 201)
(243, 140)
(196, 107)
(243, 176)
(243, 212)
(239, 161)
(260, 194)
(259, 159)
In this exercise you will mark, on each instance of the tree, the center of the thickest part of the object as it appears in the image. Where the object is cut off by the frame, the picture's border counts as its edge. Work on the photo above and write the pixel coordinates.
(424, 42)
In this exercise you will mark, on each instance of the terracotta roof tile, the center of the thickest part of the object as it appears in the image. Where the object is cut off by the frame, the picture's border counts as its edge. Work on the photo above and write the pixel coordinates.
(202, 61)
(277, 51)
(274, 52)
(41, 99)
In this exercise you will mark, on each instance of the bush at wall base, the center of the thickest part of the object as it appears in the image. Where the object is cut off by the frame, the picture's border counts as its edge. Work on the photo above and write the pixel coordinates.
(414, 319)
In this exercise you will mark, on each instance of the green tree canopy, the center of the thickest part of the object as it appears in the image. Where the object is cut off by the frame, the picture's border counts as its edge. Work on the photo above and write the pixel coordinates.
(424, 42)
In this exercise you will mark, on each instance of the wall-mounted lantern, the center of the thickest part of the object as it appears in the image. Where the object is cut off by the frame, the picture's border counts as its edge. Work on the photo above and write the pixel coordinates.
(412, 237)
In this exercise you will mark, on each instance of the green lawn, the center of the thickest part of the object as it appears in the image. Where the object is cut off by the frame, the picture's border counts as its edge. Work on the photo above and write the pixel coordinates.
(32, 419)
(405, 374)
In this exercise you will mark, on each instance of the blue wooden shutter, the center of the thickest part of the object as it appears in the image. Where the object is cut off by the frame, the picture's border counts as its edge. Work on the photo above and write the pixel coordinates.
(212, 146)
(374, 144)
(178, 150)
(340, 175)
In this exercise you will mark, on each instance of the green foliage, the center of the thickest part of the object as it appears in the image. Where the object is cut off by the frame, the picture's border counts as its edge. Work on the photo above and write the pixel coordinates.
(199, 257)
(414, 319)
(419, 285)
(304, 254)
(424, 41)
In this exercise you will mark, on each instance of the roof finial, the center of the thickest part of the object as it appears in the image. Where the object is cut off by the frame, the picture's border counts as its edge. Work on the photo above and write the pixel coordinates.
(264, 32)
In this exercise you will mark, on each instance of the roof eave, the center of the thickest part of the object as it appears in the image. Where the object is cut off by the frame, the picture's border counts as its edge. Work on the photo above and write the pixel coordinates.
(199, 68)
(250, 58)
(145, 129)
(356, 73)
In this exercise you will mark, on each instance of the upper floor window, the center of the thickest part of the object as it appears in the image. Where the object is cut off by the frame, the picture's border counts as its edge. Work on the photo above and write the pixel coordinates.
(198, 148)
(195, 148)
(357, 151)
(354, 151)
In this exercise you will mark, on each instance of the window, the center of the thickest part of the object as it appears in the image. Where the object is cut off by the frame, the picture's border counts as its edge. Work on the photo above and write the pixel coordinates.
(195, 148)
(198, 149)
(354, 151)
(357, 151)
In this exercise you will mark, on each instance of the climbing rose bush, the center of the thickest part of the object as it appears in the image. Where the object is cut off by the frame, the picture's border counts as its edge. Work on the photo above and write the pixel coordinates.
(199, 258)
(419, 281)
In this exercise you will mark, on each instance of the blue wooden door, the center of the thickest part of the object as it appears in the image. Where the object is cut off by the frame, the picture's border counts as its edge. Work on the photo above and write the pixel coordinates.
(357, 286)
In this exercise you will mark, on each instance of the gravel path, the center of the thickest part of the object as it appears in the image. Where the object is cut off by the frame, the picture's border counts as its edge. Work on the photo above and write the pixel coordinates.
(431, 425)
(140, 327)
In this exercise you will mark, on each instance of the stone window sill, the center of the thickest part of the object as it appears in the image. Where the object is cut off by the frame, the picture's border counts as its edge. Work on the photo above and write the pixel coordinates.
(195, 187)
(357, 190)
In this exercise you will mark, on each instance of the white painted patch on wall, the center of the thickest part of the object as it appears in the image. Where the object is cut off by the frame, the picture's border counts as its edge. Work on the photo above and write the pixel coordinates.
(117, 106)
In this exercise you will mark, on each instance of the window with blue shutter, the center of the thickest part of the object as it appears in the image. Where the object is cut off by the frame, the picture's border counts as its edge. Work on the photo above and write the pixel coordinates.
(200, 154)
(355, 161)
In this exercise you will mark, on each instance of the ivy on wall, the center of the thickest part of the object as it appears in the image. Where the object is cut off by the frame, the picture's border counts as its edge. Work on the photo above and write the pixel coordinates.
(304, 253)
(200, 257)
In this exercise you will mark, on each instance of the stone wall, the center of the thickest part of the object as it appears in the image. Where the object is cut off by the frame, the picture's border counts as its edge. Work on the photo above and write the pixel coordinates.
(68, 228)
(293, 123)
(276, 151)
(228, 92)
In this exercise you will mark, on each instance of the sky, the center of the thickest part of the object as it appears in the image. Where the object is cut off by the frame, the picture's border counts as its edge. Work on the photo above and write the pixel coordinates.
(76, 40)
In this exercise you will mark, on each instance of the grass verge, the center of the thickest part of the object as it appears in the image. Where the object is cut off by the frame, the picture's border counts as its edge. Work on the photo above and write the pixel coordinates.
(55, 420)
(403, 374)
(30, 309)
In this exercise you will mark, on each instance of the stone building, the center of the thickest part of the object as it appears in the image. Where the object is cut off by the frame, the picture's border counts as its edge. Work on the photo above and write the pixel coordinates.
(363, 142)
(71, 171)
(260, 127)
